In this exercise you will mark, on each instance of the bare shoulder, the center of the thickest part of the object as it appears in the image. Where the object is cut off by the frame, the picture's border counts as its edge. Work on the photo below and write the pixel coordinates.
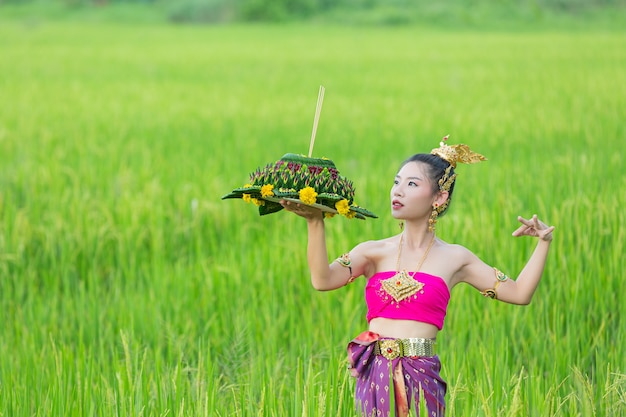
(456, 251)
(376, 254)
(375, 244)
(374, 249)
(468, 267)
(448, 261)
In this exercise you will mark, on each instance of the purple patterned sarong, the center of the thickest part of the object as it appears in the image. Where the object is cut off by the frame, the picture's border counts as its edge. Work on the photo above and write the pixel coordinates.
(410, 375)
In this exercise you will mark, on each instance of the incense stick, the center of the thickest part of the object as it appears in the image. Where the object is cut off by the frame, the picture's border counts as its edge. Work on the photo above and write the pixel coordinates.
(318, 110)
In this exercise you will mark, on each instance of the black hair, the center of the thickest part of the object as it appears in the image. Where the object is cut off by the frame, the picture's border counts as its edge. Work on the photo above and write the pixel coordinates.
(436, 169)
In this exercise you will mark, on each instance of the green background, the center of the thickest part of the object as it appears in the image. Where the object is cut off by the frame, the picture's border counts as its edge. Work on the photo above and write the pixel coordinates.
(128, 287)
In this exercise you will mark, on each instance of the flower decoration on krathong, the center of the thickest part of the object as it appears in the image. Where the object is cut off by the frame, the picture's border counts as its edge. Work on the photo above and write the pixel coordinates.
(266, 190)
(310, 181)
(308, 195)
(343, 207)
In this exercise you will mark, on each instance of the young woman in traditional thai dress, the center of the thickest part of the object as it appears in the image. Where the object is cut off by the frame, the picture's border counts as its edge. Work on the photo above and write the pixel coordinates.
(409, 278)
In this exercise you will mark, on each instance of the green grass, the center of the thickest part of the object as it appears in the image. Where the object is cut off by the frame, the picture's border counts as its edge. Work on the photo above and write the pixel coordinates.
(127, 287)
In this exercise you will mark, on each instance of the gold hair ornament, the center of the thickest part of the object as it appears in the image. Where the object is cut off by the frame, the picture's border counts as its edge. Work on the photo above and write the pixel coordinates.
(453, 154)
(457, 153)
(445, 182)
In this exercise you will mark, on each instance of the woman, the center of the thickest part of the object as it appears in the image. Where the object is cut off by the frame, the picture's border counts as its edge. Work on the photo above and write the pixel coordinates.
(409, 278)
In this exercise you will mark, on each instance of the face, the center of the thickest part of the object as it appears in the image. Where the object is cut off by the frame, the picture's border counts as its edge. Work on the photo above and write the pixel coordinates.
(412, 194)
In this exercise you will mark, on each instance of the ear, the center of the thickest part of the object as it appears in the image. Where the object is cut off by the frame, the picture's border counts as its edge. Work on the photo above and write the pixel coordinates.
(441, 198)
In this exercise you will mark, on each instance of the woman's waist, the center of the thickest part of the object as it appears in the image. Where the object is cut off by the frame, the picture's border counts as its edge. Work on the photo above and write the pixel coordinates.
(402, 329)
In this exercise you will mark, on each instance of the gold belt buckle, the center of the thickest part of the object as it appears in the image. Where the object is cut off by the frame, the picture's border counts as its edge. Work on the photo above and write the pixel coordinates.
(390, 348)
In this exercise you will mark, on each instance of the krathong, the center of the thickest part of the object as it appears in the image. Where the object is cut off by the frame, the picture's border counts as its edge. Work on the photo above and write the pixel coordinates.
(311, 181)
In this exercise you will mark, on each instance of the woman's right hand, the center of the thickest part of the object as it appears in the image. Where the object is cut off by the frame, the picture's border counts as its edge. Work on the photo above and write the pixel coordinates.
(302, 210)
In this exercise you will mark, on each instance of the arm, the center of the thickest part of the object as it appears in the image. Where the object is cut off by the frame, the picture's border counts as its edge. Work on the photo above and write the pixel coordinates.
(324, 277)
(520, 290)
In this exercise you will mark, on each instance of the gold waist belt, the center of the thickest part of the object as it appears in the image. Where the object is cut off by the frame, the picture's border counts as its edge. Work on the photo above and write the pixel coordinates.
(394, 348)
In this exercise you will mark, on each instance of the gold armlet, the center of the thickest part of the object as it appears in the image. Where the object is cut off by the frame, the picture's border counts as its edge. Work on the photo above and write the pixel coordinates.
(492, 292)
(344, 260)
(500, 276)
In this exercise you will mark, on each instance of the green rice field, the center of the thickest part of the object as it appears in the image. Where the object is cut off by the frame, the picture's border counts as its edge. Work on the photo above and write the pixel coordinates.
(129, 288)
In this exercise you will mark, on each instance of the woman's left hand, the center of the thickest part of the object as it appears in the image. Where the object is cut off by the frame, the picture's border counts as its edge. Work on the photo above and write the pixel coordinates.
(534, 227)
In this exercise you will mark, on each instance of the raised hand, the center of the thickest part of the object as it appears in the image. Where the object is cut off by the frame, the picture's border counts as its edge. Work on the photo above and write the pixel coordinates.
(302, 210)
(534, 227)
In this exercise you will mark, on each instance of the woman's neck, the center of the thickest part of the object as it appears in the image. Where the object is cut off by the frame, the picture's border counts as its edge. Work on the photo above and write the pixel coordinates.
(416, 236)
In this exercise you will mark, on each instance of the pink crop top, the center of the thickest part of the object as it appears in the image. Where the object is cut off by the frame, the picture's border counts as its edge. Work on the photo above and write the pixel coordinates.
(429, 304)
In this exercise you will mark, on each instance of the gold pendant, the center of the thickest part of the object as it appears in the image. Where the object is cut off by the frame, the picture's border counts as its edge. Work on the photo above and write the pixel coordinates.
(401, 286)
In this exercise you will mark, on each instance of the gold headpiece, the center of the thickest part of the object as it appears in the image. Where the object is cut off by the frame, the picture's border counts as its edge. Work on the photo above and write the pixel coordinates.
(452, 154)
(457, 153)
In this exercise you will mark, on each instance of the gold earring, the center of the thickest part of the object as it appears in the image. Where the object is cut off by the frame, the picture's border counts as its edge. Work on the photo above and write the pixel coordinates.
(401, 225)
(433, 218)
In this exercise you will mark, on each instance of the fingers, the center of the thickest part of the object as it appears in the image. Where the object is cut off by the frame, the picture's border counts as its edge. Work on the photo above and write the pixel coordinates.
(293, 207)
(528, 222)
(286, 204)
(522, 230)
(533, 227)
(519, 231)
(547, 234)
(300, 209)
(532, 222)
(535, 221)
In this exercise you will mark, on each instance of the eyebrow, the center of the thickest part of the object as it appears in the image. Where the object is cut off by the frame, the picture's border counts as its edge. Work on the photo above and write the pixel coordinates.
(410, 178)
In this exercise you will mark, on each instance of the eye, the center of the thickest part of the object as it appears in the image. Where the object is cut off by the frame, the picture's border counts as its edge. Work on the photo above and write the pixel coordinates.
(412, 183)
(396, 182)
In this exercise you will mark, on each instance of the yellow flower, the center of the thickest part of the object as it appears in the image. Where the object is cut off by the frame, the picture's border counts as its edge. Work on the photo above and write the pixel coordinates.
(266, 190)
(329, 215)
(308, 195)
(258, 202)
(343, 207)
(247, 186)
(246, 198)
(351, 214)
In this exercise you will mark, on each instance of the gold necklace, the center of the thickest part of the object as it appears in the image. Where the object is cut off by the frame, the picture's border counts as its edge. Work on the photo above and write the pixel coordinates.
(402, 286)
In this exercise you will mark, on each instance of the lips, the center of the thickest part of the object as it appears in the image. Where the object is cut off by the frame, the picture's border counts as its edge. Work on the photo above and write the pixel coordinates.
(395, 204)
